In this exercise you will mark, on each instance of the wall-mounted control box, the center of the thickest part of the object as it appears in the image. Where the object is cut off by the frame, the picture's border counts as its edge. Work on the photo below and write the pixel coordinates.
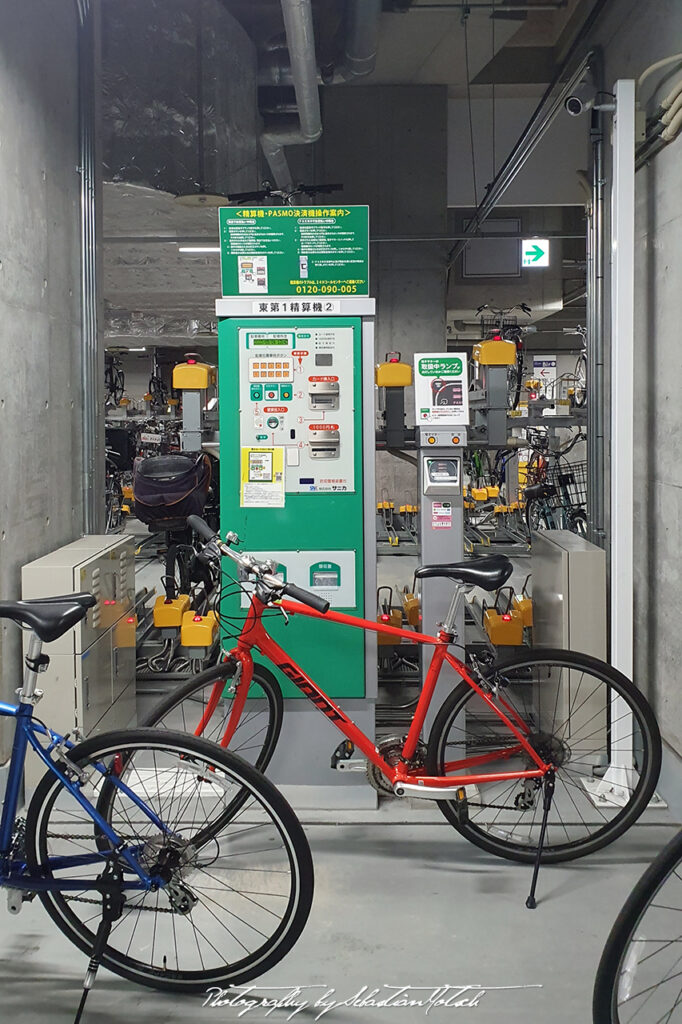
(90, 682)
(296, 388)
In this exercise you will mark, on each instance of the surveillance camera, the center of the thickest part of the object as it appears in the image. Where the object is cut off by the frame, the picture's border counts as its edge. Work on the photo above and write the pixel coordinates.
(574, 106)
(580, 100)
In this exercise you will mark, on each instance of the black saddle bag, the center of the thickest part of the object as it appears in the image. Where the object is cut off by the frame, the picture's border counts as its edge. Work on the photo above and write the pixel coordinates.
(169, 487)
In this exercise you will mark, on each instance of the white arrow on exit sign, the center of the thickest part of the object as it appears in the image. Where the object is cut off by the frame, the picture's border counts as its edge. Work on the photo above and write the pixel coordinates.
(535, 252)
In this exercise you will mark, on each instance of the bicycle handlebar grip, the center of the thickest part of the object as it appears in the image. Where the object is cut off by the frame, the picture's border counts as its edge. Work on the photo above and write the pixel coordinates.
(305, 597)
(201, 527)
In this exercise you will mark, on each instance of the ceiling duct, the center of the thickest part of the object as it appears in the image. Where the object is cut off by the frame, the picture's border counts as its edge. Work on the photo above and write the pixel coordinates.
(301, 71)
(359, 51)
(307, 128)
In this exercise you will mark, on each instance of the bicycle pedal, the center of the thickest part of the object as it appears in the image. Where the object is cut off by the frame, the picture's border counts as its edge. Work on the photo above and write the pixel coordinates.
(15, 901)
(343, 752)
(462, 806)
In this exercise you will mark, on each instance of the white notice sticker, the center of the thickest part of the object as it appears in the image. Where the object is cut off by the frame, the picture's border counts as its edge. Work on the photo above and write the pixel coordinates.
(441, 515)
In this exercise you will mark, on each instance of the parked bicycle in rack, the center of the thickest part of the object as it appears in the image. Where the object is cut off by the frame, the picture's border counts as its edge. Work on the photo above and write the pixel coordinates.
(544, 756)
(503, 323)
(556, 493)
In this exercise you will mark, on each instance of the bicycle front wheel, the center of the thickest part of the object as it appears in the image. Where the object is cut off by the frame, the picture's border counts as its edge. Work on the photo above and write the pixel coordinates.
(203, 705)
(238, 886)
(579, 714)
(638, 978)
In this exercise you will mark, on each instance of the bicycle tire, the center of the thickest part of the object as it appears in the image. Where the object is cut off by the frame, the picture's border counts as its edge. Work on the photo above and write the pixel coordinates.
(538, 517)
(247, 872)
(183, 709)
(561, 743)
(617, 971)
(514, 382)
(577, 522)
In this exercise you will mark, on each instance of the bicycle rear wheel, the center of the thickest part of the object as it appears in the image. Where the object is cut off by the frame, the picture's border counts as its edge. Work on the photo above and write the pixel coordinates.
(206, 701)
(639, 977)
(239, 885)
(579, 714)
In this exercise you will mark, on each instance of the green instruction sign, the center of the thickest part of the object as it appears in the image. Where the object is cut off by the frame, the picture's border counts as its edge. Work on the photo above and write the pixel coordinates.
(294, 250)
(439, 366)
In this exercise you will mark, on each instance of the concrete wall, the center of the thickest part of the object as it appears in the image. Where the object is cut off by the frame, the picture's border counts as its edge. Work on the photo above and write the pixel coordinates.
(634, 36)
(388, 145)
(40, 394)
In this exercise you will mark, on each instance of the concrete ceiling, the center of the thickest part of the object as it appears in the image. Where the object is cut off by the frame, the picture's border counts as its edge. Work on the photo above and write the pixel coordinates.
(149, 286)
(151, 289)
(428, 47)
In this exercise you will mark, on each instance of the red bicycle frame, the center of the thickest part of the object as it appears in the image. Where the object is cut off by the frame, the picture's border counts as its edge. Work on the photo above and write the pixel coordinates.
(255, 635)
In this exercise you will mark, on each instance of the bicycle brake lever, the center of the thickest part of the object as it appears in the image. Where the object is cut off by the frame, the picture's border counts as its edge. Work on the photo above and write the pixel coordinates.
(209, 553)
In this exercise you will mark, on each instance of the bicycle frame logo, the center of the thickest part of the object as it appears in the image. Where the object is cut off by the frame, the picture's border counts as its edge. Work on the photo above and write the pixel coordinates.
(306, 688)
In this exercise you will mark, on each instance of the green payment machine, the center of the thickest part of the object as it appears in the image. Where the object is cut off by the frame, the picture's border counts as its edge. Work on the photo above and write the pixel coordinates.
(297, 472)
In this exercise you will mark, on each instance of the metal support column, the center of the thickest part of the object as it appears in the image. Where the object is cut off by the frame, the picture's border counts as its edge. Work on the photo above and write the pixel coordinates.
(619, 778)
(622, 376)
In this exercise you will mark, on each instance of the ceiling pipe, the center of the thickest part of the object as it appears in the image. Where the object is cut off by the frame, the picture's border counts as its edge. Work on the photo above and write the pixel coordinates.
(298, 24)
(359, 56)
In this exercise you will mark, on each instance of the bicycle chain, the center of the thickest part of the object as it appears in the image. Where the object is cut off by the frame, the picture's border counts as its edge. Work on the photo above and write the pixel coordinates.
(88, 899)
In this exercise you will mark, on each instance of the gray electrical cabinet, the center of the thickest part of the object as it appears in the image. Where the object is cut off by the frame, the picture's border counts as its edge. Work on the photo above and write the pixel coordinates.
(90, 682)
(569, 593)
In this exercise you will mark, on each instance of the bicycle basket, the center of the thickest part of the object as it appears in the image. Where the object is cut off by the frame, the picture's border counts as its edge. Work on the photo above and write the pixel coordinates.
(570, 482)
(169, 487)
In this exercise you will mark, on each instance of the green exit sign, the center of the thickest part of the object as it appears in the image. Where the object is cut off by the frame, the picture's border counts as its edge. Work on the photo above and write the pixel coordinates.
(535, 252)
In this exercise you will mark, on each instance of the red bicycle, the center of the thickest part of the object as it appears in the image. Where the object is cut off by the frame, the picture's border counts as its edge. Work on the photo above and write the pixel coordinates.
(544, 756)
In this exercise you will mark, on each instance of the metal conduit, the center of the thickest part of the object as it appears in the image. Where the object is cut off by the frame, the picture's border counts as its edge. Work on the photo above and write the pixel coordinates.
(531, 136)
(536, 127)
(595, 341)
(92, 499)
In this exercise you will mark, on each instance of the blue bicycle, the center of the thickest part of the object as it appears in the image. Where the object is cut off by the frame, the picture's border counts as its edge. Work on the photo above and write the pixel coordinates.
(170, 861)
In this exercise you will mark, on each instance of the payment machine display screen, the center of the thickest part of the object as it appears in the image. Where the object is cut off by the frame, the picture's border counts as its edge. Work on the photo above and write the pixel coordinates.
(443, 471)
(269, 341)
(325, 579)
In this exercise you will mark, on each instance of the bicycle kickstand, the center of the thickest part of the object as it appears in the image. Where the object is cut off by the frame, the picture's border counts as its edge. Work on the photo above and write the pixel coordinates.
(112, 908)
(547, 794)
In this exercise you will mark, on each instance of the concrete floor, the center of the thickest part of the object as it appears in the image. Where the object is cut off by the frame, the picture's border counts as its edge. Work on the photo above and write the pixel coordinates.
(395, 904)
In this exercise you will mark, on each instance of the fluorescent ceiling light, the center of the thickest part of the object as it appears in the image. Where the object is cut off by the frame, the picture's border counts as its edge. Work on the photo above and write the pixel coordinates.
(198, 248)
(143, 349)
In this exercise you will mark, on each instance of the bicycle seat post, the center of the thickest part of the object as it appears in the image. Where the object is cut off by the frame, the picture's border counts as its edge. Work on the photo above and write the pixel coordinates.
(35, 662)
(449, 624)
